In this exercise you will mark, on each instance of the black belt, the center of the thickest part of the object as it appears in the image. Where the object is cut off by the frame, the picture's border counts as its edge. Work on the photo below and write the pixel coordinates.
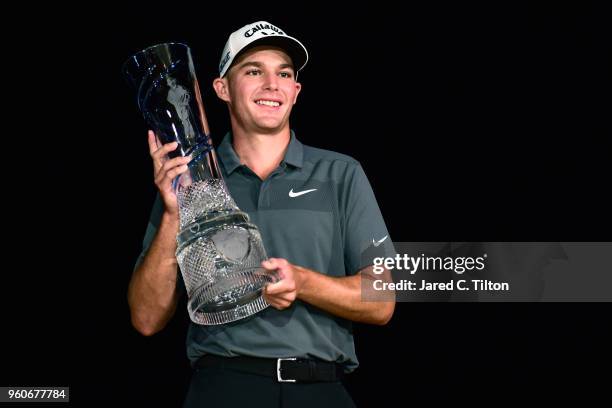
(282, 369)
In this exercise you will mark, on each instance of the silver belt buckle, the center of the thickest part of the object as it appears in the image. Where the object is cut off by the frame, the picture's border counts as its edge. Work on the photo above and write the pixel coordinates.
(279, 378)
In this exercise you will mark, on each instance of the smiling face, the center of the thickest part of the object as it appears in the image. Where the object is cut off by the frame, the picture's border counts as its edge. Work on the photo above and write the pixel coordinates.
(260, 90)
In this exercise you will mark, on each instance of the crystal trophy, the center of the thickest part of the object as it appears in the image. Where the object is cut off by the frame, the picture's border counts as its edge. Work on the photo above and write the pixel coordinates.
(219, 251)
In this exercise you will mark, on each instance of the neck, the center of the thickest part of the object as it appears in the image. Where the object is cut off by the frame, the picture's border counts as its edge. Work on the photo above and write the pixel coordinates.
(261, 152)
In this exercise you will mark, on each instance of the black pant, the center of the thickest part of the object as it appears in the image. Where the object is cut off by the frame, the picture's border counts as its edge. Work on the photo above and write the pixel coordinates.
(219, 388)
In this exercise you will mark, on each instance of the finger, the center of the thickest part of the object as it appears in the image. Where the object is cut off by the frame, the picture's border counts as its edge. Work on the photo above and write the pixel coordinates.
(278, 304)
(274, 263)
(169, 170)
(279, 300)
(279, 287)
(169, 164)
(282, 305)
(288, 297)
(177, 161)
(272, 289)
(276, 275)
(166, 178)
(163, 151)
(153, 142)
(268, 262)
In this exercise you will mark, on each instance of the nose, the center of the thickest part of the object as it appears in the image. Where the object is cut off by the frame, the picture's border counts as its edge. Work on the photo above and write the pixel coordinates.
(270, 82)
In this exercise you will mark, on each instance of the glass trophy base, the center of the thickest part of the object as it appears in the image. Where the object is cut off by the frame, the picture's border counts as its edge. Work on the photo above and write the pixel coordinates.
(220, 257)
(231, 297)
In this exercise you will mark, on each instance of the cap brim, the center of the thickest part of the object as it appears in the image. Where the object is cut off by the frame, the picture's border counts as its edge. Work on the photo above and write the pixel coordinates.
(296, 51)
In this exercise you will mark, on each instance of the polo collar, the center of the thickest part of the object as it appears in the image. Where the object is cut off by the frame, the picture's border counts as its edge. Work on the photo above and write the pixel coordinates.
(230, 160)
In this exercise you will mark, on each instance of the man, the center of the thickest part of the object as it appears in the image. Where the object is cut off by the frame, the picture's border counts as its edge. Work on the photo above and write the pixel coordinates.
(317, 216)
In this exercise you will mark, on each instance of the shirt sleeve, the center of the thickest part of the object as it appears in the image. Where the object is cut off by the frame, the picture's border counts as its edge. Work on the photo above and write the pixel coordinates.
(365, 233)
(152, 227)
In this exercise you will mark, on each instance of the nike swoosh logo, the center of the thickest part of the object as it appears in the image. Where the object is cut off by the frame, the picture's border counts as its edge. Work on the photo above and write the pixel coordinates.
(299, 193)
(377, 243)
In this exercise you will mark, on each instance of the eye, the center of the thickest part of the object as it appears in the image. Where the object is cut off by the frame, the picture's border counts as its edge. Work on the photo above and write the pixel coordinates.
(253, 72)
(285, 74)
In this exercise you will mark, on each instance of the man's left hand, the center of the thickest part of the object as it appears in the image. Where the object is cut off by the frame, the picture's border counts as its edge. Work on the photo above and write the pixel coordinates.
(283, 293)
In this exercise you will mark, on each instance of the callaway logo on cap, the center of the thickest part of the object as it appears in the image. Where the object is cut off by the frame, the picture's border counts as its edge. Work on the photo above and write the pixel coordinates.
(261, 33)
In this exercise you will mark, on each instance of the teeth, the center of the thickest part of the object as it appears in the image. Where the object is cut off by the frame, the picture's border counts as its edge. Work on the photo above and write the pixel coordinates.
(267, 103)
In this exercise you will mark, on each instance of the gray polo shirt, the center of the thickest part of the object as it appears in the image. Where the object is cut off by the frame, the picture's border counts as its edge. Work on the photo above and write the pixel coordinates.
(317, 210)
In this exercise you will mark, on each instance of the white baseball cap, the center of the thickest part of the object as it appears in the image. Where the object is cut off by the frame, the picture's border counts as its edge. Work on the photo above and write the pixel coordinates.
(261, 33)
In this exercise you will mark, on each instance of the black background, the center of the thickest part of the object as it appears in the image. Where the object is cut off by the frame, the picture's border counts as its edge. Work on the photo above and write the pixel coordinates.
(473, 123)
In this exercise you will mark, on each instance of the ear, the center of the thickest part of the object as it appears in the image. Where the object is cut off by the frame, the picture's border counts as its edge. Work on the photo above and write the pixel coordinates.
(221, 88)
(298, 88)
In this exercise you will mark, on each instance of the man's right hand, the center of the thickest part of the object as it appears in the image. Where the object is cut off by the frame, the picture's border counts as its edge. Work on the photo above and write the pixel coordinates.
(165, 170)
